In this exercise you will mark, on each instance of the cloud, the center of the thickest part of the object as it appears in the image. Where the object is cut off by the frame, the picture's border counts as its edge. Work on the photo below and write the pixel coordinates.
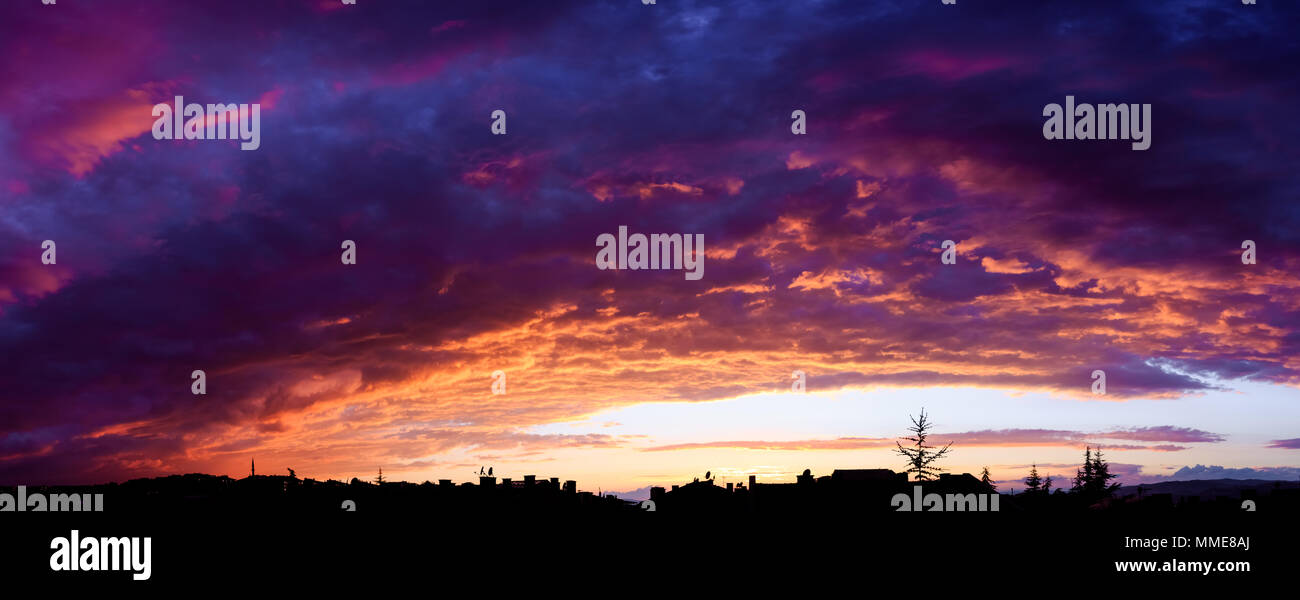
(997, 438)
(476, 251)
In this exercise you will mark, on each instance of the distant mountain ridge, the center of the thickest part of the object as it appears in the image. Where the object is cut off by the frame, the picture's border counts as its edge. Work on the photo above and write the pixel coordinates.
(1207, 488)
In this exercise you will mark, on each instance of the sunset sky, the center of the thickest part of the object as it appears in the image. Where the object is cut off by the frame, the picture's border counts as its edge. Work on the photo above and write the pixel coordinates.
(476, 252)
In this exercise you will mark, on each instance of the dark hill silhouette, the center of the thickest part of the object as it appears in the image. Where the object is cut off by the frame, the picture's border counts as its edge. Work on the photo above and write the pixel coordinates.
(1208, 489)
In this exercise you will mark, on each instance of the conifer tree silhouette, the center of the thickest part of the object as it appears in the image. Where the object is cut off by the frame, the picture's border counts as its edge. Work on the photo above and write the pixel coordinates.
(921, 457)
(1033, 482)
(1092, 482)
(1101, 476)
(987, 479)
(1083, 477)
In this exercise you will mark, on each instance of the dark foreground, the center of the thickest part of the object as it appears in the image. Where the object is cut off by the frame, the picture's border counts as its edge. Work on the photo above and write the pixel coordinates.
(611, 548)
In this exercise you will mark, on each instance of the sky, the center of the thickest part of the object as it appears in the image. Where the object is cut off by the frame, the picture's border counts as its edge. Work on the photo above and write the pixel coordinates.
(477, 252)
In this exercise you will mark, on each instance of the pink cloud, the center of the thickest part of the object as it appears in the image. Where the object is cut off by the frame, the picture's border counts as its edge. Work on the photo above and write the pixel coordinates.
(1002, 438)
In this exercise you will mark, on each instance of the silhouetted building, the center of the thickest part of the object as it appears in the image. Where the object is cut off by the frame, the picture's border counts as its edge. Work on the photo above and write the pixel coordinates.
(865, 476)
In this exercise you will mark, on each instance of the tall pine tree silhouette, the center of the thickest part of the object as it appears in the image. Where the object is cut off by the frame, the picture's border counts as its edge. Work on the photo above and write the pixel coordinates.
(1032, 482)
(1092, 482)
(1083, 476)
(920, 457)
(1101, 476)
(986, 479)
